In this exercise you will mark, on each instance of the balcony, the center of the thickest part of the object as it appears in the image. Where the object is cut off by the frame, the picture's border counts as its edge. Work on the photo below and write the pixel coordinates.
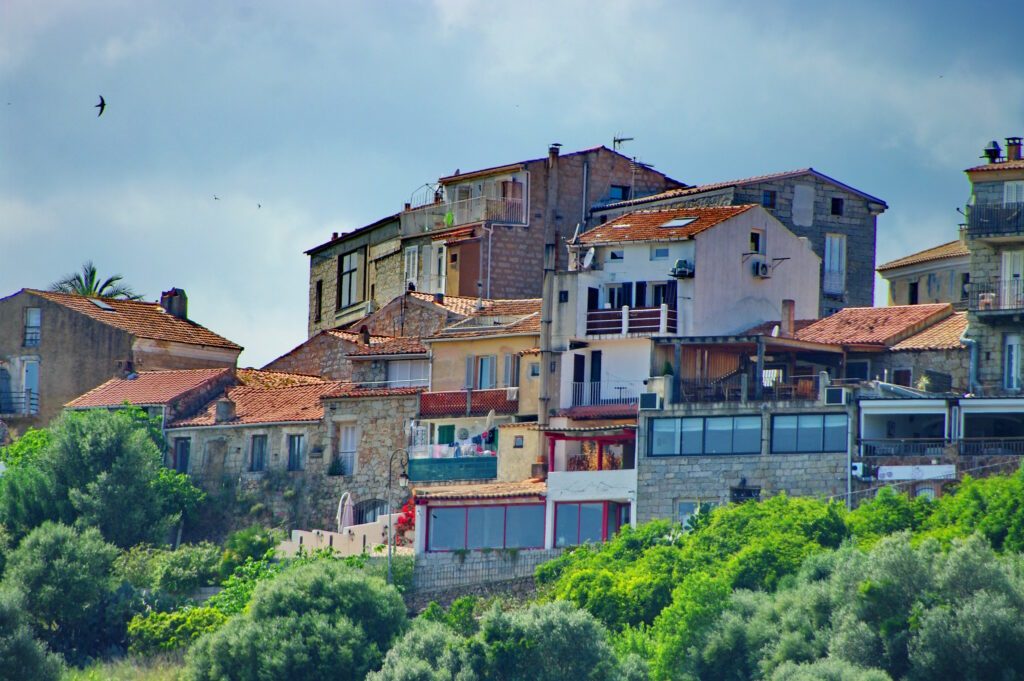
(32, 337)
(444, 214)
(459, 468)
(932, 447)
(996, 296)
(641, 320)
(595, 393)
(992, 446)
(19, 403)
(739, 388)
(996, 220)
(454, 403)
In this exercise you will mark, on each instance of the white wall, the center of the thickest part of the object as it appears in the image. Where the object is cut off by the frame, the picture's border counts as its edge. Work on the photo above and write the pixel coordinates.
(588, 486)
(622, 359)
(724, 281)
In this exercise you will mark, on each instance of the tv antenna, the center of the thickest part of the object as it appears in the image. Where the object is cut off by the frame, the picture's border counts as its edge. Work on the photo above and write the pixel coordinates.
(617, 142)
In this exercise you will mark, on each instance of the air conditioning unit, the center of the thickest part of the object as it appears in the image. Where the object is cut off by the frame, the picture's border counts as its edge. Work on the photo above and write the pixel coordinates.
(836, 396)
(650, 402)
(761, 269)
(683, 269)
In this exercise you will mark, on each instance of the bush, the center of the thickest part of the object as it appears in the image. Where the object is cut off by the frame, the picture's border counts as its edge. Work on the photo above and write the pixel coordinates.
(166, 631)
(250, 543)
(64, 578)
(187, 568)
(27, 449)
(22, 658)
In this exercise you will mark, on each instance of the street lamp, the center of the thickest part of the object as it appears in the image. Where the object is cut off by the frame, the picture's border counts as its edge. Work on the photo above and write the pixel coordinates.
(403, 482)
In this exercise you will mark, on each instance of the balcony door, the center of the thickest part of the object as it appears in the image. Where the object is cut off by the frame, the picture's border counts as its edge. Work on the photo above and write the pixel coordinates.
(1011, 295)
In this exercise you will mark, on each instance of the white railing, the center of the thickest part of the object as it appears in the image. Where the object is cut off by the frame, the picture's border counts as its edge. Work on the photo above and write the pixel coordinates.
(591, 393)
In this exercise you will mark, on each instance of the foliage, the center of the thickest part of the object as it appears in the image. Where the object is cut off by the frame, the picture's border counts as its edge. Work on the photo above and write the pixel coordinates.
(239, 587)
(22, 658)
(162, 668)
(406, 523)
(252, 542)
(26, 449)
(101, 469)
(88, 283)
(827, 670)
(64, 578)
(888, 512)
(165, 631)
(188, 567)
(321, 619)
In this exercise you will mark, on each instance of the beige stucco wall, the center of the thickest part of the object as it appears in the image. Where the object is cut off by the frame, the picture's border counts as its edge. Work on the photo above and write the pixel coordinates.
(448, 365)
(514, 463)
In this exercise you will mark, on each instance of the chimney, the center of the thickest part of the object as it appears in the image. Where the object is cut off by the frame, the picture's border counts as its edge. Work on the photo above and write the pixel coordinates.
(175, 303)
(225, 410)
(364, 335)
(334, 235)
(553, 153)
(788, 314)
(1013, 148)
(439, 298)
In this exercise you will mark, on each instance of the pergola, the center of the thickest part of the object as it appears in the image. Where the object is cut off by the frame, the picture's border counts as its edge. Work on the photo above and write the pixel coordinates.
(602, 435)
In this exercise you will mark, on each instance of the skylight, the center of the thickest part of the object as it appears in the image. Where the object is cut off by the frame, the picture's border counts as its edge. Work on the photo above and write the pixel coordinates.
(678, 222)
(101, 304)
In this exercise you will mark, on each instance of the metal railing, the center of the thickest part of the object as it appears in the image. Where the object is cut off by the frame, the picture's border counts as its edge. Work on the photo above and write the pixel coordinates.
(916, 446)
(991, 446)
(593, 393)
(19, 403)
(632, 320)
(32, 337)
(469, 402)
(739, 388)
(996, 294)
(437, 216)
(1001, 219)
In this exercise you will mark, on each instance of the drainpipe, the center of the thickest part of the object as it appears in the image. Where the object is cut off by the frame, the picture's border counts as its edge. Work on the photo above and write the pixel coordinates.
(583, 208)
(548, 286)
(972, 374)
(490, 237)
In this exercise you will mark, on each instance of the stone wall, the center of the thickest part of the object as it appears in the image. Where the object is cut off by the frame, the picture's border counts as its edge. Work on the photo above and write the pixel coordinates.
(322, 355)
(409, 316)
(520, 589)
(956, 363)
(987, 331)
(435, 572)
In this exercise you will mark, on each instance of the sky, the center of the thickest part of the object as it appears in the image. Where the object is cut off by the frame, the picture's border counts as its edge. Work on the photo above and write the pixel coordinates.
(315, 117)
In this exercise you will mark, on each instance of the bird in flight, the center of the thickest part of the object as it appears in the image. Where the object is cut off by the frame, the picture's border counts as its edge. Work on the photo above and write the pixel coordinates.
(216, 198)
(101, 106)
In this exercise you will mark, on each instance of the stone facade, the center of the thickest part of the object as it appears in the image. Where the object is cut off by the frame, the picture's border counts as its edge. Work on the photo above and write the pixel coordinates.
(410, 316)
(954, 363)
(665, 481)
(442, 571)
(323, 355)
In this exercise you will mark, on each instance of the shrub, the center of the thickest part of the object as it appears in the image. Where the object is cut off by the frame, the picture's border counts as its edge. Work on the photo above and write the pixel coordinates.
(165, 631)
(252, 542)
(22, 658)
(187, 568)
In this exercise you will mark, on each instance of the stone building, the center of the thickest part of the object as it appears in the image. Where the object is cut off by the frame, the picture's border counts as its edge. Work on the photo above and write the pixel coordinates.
(478, 234)
(57, 346)
(940, 274)
(326, 354)
(839, 221)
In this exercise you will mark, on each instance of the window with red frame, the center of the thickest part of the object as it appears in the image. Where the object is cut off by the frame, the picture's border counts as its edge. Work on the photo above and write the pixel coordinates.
(588, 521)
(511, 526)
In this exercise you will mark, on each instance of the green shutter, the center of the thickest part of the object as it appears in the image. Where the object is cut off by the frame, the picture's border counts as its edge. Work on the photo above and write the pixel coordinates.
(445, 434)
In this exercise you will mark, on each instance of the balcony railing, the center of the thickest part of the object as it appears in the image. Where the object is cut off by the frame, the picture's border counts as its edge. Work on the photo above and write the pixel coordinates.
(903, 446)
(19, 403)
(995, 220)
(469, 402)
(593, 393)
(653, 320)
(992, 446)
(738, 388)
(462, 468)
(437, 216)
(32, 336)
(996, 295)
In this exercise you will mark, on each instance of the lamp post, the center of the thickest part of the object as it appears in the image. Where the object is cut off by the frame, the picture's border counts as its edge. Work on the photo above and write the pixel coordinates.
(403, 482)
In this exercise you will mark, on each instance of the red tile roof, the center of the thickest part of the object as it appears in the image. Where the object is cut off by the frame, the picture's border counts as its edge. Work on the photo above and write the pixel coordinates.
(953, 249)
(260, 378)
(492, 490)
(354, 390)
(460, 305)
(881, 326)
(945, 335)
(353, 336)
(649, 225)
(143, 320)
(253, 405)
(147, 388)
(1004, 165)
(392, 346)
(498, 318)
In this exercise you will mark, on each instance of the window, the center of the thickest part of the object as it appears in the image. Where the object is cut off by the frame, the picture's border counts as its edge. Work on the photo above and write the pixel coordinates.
(563, 296)
(1011, 361)
(511, 370)
(295, 444)
(454, 258)
(809, 433)
(705, 435)
(258, 453)
(757, 241)
(182, 447)
(33, 323)
(660, 296)
(688, 509)
(803, 205)
(369, 511)
(486, 372)
(349, 288)
(515, 526)
(659, 252)
(409, 372)
(318, 300)
(618, 296)
(518, 442)
(965, 285)
(618, 192)
(768, 197)
(902, 377)
(834, 264)
(912, 293)
(858, 369)
(596, 521)
(1013, 192)
(412, 266)
(837, 205)
(534, 369)
(924, 490)
(348, 443)
(616, 255)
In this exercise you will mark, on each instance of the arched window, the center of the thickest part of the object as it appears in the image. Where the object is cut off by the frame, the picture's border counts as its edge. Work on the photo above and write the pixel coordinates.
(925, 490)
(368, 511)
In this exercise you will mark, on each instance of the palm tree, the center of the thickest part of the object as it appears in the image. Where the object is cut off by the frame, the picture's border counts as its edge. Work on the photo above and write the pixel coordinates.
(87, 283)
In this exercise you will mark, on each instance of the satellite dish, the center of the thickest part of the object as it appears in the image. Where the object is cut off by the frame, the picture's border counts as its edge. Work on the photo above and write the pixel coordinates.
(588, 258)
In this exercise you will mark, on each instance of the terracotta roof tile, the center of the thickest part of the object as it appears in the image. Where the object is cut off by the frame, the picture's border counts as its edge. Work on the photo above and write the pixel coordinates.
(354, 390)
(649, 225)
(882, 326)
(147, 388)
(354, 336)
(143, 320)
(493, 490)
(260, 378)
(1004, 165)
(944, 335)
(500, 317)
(953, 249)
(392, 346)
(460, 305)
(266, 405)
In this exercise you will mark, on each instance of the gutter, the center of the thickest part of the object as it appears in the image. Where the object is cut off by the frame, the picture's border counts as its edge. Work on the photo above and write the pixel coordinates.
(972, 374)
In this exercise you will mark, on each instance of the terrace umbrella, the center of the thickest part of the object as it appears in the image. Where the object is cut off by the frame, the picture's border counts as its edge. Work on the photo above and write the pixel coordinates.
(345, 514)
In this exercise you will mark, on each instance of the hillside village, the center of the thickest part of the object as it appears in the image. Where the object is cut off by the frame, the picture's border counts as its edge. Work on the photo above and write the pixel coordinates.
(539, 353)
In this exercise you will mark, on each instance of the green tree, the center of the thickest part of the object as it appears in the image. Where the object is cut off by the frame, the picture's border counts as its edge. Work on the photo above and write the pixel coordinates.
(429, 651)
(26, 449)
(249, 543)
(828, 670)
(88, 283)
(65, 580)
(22, 658)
